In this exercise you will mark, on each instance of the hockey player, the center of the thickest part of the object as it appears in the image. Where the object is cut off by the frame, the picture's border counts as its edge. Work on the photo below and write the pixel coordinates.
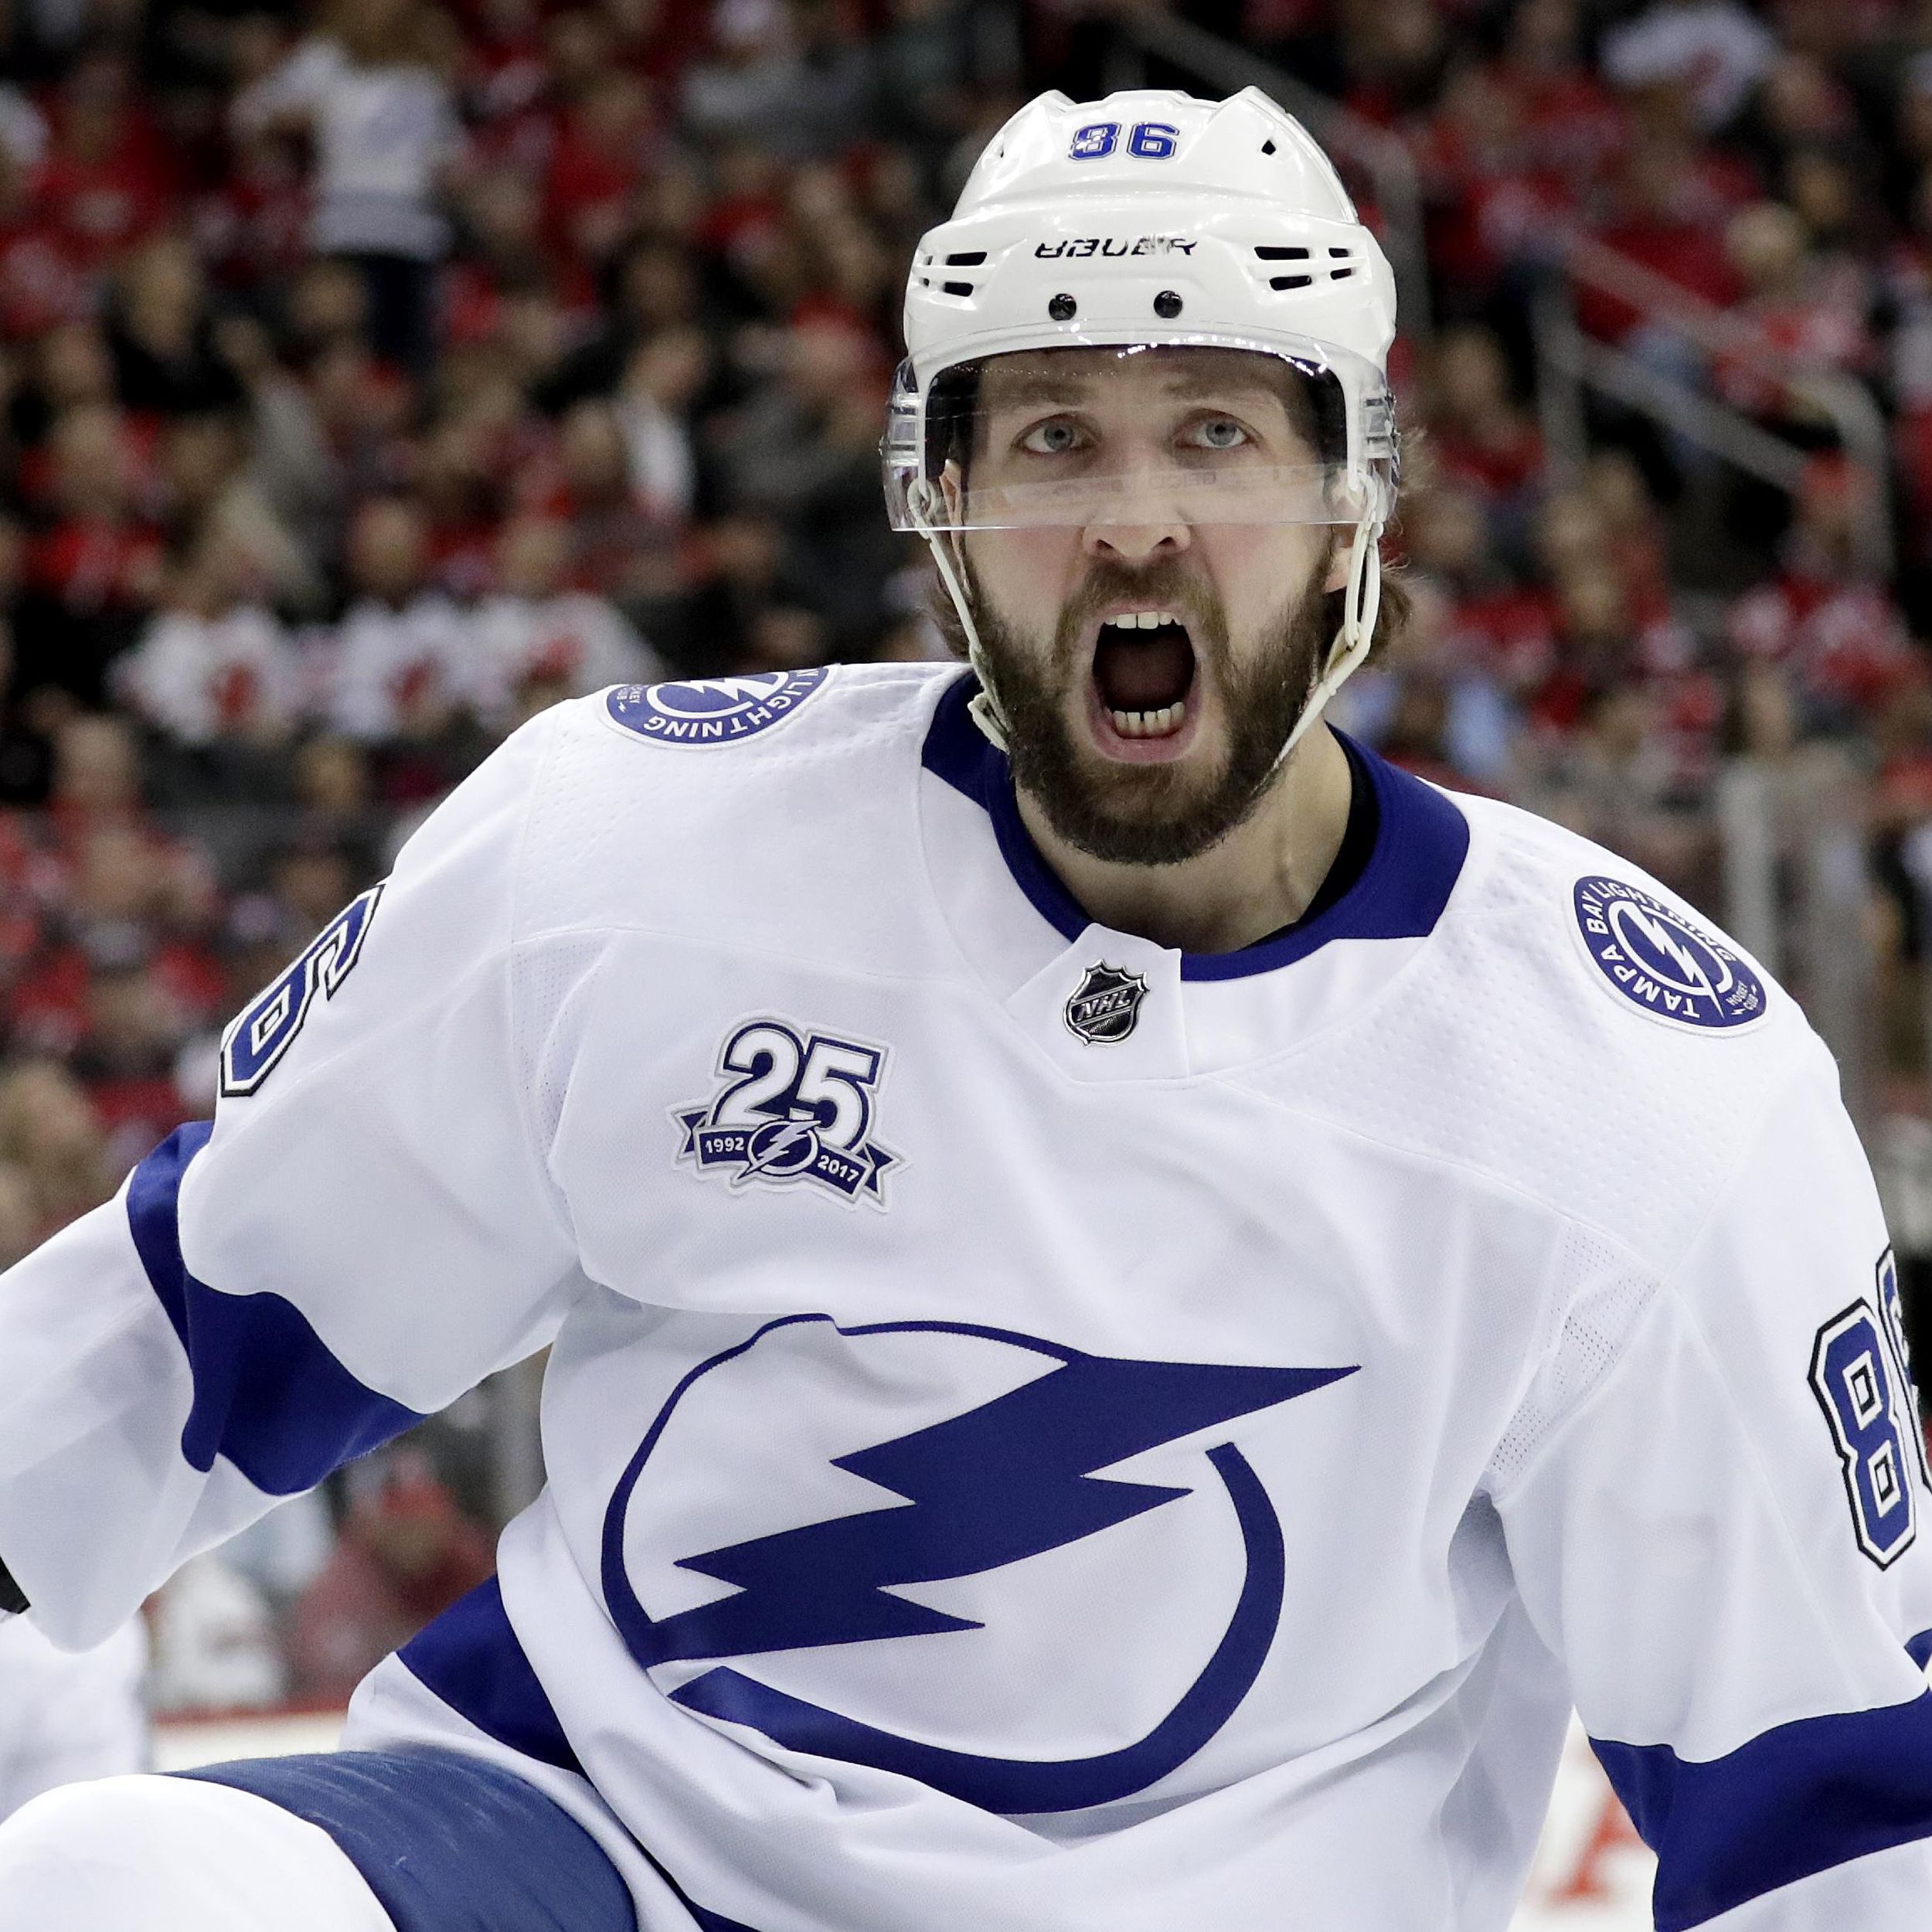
(1139, 1302)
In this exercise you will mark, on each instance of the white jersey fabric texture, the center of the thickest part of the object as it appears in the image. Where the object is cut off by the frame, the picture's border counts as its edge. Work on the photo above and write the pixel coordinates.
(65, 1716)
(1043, 1430)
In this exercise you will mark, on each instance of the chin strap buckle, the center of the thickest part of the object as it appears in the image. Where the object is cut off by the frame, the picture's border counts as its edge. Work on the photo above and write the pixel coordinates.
(985, 713)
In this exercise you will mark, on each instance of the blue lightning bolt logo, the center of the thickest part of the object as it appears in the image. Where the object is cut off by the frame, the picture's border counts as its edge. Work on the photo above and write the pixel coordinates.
(782, 1147)
(1010, 1479)
(1691, 974)
(1659, 959)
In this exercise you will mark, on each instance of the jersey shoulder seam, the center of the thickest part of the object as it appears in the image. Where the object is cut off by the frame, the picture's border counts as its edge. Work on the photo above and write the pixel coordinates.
(1499, 1181)
(1669, 1293)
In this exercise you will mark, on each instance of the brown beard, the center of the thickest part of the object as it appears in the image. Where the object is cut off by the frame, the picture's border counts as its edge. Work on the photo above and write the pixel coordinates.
(1152, 814)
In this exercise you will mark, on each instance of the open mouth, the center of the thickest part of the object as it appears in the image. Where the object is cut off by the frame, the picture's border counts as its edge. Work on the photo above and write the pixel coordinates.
(1143, 672)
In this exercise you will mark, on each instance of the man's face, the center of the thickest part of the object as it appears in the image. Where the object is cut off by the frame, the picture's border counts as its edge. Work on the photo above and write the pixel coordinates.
(1146, 742)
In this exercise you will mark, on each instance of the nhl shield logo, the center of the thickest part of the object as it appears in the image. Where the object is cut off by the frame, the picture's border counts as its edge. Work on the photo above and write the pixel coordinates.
(1106, 1005)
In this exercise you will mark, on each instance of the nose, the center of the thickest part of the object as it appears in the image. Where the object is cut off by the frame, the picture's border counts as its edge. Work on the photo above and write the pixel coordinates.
(1136, 543)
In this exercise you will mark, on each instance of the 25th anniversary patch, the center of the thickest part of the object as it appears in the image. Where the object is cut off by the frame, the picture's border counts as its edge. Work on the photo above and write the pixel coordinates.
(794, 1106)
(1664, 964)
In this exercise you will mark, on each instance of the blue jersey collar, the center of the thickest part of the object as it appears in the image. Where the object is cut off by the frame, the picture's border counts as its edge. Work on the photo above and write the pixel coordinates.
(1420, 844)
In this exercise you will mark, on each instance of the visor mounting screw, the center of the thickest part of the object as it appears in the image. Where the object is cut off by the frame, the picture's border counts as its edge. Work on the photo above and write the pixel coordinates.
(1063, 308)
(1167, 304)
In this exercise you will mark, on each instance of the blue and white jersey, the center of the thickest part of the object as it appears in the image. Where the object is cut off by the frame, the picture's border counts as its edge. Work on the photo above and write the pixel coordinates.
(1043, 1430)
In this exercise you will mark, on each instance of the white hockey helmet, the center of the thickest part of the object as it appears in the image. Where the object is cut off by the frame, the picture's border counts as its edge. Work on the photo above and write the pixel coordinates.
(1152, 219)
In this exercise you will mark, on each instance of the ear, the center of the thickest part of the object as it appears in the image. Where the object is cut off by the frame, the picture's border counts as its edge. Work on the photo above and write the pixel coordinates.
(1341, 547)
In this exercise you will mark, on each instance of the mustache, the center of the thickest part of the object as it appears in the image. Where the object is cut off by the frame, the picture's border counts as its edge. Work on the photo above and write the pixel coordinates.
(1167, 583)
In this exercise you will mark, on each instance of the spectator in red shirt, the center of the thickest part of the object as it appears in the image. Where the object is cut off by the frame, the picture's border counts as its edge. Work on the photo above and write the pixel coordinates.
(1574, 127)
(618, 545)
(93, 575)
(43, 282)
(252, 229)
(1488, 624)
(462, 496)
(1394, 55)
(1480, 434)
(604, 144)
(132, 903)
(406, 1552)
(1823, 616)
(1635, 539)
(1671, 200)
(506, 70)
(1798, 310)
(133, 1027)
(110, 180)
(1489, 204)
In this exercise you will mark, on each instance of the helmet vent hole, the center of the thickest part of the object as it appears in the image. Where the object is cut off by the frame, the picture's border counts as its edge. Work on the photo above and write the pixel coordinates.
(1340, 255)
(1167, 304)
(966, 288)
(1267, 147)
(974, 257)
(1289, 281)
(1335, 275)
(1063, 308)
(1281, 254)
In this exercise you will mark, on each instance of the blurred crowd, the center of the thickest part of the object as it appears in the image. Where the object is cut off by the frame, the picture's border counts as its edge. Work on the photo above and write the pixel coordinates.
(369, 379)
(376, 372)
(372, 376)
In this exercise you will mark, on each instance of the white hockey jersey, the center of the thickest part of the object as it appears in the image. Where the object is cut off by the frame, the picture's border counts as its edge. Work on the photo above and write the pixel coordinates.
(65, 1717)
(1044, 1431)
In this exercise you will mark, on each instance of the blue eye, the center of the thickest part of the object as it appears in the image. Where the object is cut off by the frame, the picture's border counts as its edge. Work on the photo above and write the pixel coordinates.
(1219, 432)
(1052, 438)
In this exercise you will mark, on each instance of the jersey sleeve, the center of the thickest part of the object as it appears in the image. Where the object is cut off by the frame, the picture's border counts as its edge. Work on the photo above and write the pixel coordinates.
(367, 1229)
(1723, 1533)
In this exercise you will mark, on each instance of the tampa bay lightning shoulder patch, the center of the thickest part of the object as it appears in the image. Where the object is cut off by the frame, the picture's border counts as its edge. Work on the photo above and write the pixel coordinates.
(712, 711)
(1665, 964)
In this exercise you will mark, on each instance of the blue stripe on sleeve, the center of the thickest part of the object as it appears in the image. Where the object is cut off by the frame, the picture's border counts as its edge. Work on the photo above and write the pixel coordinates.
(1798, 1800)
(268, 1394)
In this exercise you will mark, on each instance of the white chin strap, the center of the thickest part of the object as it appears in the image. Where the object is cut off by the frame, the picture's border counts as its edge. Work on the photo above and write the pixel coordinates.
(1362, 602)
(985, 707)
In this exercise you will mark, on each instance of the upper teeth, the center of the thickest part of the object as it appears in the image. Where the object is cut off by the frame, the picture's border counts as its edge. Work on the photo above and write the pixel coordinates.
(1144, 620)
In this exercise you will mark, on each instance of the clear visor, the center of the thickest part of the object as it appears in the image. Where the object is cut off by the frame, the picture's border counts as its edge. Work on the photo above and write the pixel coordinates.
(1197, 433)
